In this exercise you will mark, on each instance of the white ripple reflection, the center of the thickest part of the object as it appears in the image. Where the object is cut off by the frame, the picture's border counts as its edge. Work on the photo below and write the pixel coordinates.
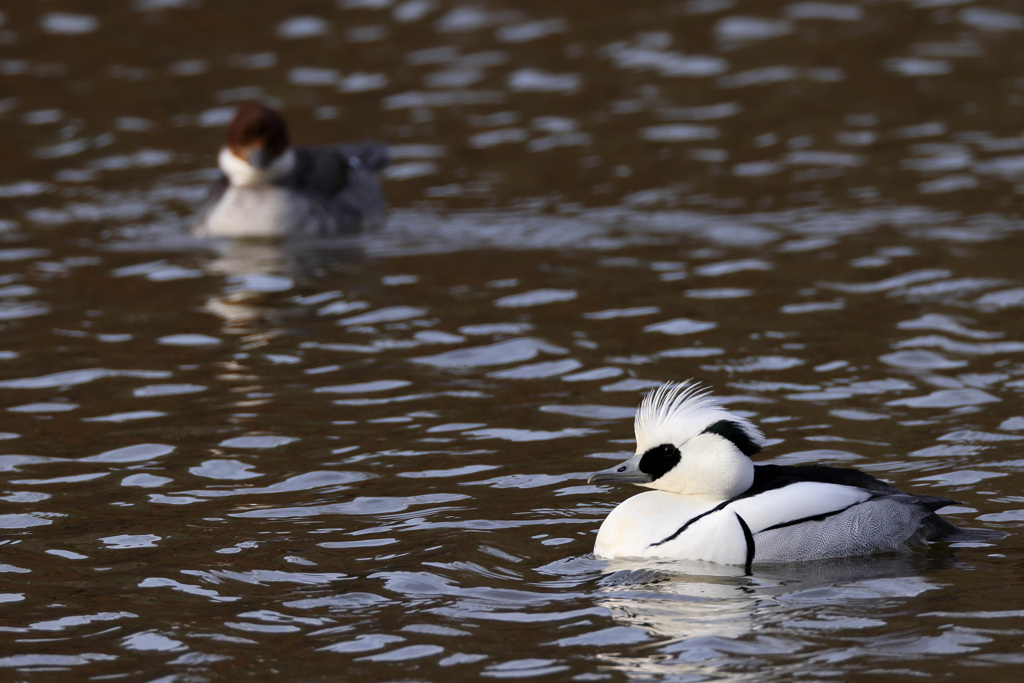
(138, 453)
(679, 326)
(537, 297)
(363, 505)
(947, 398)
(499, 353)
(75, 377)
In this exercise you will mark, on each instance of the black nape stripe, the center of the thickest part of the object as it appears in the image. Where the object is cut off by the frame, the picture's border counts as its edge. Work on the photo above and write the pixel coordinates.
(659, 460)
(727, 429)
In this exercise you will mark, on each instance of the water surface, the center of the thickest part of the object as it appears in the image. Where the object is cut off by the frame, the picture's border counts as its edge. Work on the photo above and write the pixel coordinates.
(368, 458)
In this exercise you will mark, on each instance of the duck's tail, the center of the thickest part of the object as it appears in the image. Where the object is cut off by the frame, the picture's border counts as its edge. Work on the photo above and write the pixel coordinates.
(938, 529)
(971, 535)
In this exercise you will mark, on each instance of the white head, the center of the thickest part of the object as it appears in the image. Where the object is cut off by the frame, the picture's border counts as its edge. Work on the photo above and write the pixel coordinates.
(688, 444)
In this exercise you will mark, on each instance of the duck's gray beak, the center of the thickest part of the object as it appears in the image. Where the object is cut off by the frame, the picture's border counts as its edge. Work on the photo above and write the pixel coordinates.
(624, 473)
(259, 158)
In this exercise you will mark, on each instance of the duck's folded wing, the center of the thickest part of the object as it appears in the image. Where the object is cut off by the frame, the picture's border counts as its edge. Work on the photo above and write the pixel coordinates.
(319, 171)
(328, 171)
(879, 524)
(367, 155)
(796, 503)
(373, 156)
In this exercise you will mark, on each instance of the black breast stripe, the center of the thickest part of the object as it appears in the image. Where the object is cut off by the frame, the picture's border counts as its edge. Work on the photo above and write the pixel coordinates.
(749, 538)
(812, 518)
(686, 526)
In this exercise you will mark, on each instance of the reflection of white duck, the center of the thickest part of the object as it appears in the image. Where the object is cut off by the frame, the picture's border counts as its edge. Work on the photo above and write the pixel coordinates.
(273, 190)
(703, 608)
(712, 503)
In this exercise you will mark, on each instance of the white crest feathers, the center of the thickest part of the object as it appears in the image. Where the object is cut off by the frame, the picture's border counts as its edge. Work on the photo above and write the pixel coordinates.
(676, 412)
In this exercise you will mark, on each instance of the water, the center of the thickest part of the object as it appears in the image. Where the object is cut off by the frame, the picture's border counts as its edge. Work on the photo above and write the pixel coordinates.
(367, 459)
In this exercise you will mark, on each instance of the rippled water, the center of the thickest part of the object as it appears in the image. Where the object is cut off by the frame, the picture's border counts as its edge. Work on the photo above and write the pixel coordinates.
(367, 459)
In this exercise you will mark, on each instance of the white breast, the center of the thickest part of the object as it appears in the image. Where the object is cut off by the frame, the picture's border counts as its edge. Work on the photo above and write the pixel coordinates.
(632, 527)
(269, 211)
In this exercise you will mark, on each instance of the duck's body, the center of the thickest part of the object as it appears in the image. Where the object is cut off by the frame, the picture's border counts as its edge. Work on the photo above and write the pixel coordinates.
(781, 518)
(271, 190)
(711, 503)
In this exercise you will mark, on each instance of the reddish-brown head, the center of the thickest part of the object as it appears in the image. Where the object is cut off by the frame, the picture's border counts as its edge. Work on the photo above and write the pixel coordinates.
(257, 134)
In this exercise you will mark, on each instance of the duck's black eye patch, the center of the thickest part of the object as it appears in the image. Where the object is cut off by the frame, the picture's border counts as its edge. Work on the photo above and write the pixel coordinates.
(727, 429)
(659, 460)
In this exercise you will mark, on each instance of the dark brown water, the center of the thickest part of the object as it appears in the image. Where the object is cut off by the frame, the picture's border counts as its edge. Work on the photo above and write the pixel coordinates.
(367, 460)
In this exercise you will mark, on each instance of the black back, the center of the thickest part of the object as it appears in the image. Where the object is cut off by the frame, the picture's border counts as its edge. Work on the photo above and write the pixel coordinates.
(768, 477)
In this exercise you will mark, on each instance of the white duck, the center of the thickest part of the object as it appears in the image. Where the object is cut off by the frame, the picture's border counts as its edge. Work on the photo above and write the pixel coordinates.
(711, 503)
(273, 190)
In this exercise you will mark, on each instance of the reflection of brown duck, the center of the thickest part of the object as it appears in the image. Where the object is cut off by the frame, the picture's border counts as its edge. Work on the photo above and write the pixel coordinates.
(712, 503)
(273, 190)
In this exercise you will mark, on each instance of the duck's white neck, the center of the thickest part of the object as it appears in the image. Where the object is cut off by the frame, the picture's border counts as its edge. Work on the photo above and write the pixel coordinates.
(241, 173)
